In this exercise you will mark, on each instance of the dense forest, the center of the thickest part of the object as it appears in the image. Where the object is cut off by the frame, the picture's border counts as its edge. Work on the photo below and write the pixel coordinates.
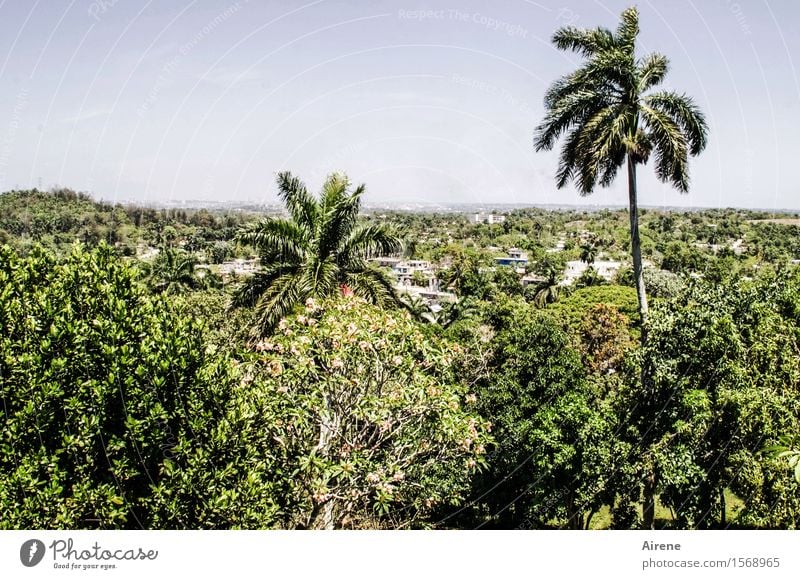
(142, 387)
(333, 367)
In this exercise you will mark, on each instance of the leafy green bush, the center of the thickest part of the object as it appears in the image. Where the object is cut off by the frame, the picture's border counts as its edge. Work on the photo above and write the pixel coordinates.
(554, 457)
(92, 377)
(724, 381)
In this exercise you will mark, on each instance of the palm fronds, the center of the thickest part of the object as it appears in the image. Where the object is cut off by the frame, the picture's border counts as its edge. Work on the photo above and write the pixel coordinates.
(318, 249)
(605, 115)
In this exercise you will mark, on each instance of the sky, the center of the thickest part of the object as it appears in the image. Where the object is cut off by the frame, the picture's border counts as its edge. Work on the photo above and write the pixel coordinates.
(423, 101)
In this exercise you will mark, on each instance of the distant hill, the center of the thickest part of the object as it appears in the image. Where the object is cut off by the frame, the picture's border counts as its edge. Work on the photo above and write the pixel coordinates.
(59, 217)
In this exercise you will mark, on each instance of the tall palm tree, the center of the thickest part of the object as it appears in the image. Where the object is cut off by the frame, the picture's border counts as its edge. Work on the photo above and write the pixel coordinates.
(610, 116)
(321, 249)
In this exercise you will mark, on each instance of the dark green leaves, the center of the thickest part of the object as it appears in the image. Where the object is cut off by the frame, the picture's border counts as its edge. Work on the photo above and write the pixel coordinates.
(606, 116)
(315, 252)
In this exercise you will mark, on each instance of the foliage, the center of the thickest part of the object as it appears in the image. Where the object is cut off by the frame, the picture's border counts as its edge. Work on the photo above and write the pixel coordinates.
(318, 250)
(553, 441)
(57, 218)
(610, 116)
(607, 114)
(507, 281)
(660, 282)
(93, 373)
(549, 289)
(465, 274)
(682, 258)
(725, 379)
(588, 253)
(589, 278)
(605, 339)
(376, 425)
(574, 308)
(173, 271)
(219, 251)
(786, 449)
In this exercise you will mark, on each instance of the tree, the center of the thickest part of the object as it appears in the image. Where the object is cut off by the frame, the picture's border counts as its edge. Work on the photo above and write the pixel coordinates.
(94, 376)
(319, 250)
(610, 118)
(683, 258)
(452, 312)
(506, 279)
(218, 252)
(417, 307)
(173, 271)
(464, 274)
(548, 290)
(589, 278)
(725, 384)
(376, 426)
(605, 338)
(419, 279)
(588, 253)
(553, 458)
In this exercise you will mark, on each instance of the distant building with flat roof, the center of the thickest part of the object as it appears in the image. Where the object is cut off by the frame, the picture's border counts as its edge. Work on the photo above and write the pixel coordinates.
(489, 218)
(515, 258)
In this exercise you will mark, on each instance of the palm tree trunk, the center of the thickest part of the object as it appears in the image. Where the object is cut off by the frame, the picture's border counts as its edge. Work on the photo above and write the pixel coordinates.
(636, 247)
(649, 492)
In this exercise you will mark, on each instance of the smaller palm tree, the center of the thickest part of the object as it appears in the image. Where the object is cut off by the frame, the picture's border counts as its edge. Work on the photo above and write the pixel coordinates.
(451, 312)
(417, 307)
(320, 250)
(589, 278)
(548, 290)
(588, 253)
(464, 271)
(173, 272)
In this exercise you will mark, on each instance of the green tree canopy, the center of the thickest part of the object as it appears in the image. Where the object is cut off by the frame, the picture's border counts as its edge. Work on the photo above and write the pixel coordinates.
(93, 375)
(318, 250)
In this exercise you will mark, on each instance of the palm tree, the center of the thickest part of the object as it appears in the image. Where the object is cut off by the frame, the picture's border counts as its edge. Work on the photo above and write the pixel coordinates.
(547, 291)
(451, 312)
(588, 253)
(417, 307)
(464, 270)
(173, 271)
(589, 278)
(321, 249)
(610, 117)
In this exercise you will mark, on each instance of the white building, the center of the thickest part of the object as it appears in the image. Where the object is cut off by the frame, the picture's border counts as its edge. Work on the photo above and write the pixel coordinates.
(489, 218)
(431, 296)
(239, 267)
(405, 270)
(385, 261)
(605, 269)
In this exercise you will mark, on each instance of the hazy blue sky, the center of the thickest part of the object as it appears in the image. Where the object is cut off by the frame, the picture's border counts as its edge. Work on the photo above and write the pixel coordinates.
(424, 101)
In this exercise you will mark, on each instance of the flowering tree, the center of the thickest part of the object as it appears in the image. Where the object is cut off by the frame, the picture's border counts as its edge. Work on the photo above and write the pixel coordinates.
(377, 428)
